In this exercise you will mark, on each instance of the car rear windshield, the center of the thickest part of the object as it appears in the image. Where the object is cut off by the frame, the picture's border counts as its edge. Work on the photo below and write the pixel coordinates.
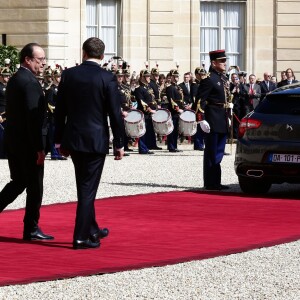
(287, 104)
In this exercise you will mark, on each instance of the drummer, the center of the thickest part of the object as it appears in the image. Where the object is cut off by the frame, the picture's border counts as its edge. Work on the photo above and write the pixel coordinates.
(145, 98)
(125, 97)
(176, 105)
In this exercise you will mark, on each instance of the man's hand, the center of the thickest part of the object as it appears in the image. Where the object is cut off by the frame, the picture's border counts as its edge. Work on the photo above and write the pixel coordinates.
(205, 126)
(119, 153)
(40, 158)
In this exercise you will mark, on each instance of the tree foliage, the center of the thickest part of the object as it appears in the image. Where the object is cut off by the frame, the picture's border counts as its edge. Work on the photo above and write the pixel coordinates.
(10, 52)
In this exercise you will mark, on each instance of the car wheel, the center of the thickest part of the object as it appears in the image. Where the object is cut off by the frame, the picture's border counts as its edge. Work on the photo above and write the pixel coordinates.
(253, 186)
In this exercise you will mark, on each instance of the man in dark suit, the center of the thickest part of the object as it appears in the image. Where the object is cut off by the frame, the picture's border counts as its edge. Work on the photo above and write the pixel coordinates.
(87, 94)
(25, 139)
(290, 78)
(213, 104)
(252, 94)
(186, 88)
(267, 86)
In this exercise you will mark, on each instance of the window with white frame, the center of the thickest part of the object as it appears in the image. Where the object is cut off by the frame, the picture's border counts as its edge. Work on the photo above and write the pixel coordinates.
(102, 22)
(222, 26)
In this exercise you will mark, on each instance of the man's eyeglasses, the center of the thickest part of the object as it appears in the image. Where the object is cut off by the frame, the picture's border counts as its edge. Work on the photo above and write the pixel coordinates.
(40, 59)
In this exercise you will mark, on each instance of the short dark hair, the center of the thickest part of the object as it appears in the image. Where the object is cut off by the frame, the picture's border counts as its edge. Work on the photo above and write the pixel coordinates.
(93, 47)
(27, 51)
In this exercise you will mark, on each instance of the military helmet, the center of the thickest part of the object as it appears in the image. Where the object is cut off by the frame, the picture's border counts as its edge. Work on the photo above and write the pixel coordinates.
(56, 73)
(200, 71)
(40, 75)
(174, 72)
(144, 72)
(154, 71)
(126, 72)
(48, 72)
(119, 72)
(6, 72)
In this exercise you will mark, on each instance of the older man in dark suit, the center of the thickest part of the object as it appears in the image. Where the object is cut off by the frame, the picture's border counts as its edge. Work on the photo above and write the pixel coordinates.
(267, 86)
(87, 94)
(24, 139)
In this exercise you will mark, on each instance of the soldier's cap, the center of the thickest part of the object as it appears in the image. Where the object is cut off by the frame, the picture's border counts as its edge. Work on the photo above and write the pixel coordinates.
(217, 54)
(126, 72)
(199, 71)
(144, 72)
(40, 75)
(6, 72)
(242, 73)
(174, 72)
(154, 71)
(119, 72)
(56, 72)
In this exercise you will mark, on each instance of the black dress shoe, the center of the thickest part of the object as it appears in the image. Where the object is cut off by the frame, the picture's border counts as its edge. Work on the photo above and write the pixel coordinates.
(217, 187)
(36, 235)
(224, 187)
(156, 148)
(100, 234)
(85, 244)
(128, 150)
(175, 150)
(148, 152)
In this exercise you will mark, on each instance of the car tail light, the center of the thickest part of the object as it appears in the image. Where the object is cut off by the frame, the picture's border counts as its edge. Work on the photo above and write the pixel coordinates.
(246, 124)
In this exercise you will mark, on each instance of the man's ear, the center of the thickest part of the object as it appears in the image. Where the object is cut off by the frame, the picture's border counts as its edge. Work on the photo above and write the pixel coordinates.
(101, 56)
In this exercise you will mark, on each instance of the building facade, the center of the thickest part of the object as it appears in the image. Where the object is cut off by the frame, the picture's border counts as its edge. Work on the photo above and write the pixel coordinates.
(257, 35)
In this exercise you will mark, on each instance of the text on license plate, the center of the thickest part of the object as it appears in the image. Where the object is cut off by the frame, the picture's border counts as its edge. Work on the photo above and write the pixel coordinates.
(285, 158)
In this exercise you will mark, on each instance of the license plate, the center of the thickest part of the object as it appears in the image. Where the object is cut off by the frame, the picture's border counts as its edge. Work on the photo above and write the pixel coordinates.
(285, 158)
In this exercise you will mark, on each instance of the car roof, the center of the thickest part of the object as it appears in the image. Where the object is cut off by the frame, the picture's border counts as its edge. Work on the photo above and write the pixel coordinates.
(292, 89)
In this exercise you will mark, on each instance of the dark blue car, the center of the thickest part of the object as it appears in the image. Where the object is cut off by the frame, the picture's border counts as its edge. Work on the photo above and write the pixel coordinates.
(268, 145)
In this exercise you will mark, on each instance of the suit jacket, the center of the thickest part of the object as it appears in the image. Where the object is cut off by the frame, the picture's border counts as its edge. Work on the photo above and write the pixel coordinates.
(87, 94)
(285, 82)
(265, 89)
(26, 113)
(186, 92)
(254, 99)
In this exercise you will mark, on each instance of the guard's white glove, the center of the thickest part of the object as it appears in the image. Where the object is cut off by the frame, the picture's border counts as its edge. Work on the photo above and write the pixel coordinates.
(230, 105)
(229, 122)
(204, 126)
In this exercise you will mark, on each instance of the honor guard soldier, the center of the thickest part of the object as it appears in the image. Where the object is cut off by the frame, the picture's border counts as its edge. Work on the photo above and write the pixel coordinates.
(213, 105)
(51, 97)
(176, 107)
(4, 78)
(146, 103)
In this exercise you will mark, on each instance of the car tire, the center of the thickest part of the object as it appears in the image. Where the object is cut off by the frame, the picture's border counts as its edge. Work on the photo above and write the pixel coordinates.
(253, 186)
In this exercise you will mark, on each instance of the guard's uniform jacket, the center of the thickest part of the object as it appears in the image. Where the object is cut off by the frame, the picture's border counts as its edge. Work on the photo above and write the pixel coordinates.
(213, 101)
(144, 95)
(175, 98)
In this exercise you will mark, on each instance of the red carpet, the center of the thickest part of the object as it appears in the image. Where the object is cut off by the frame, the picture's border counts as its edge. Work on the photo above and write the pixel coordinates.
(146, 230)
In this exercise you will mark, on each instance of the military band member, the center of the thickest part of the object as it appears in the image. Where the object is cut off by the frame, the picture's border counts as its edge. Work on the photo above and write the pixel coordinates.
(51, 97)
(125, 97)
(146, 103)
(154, 83)
(213, 105)
(47, 78)
(198, 138)
(176, 107)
